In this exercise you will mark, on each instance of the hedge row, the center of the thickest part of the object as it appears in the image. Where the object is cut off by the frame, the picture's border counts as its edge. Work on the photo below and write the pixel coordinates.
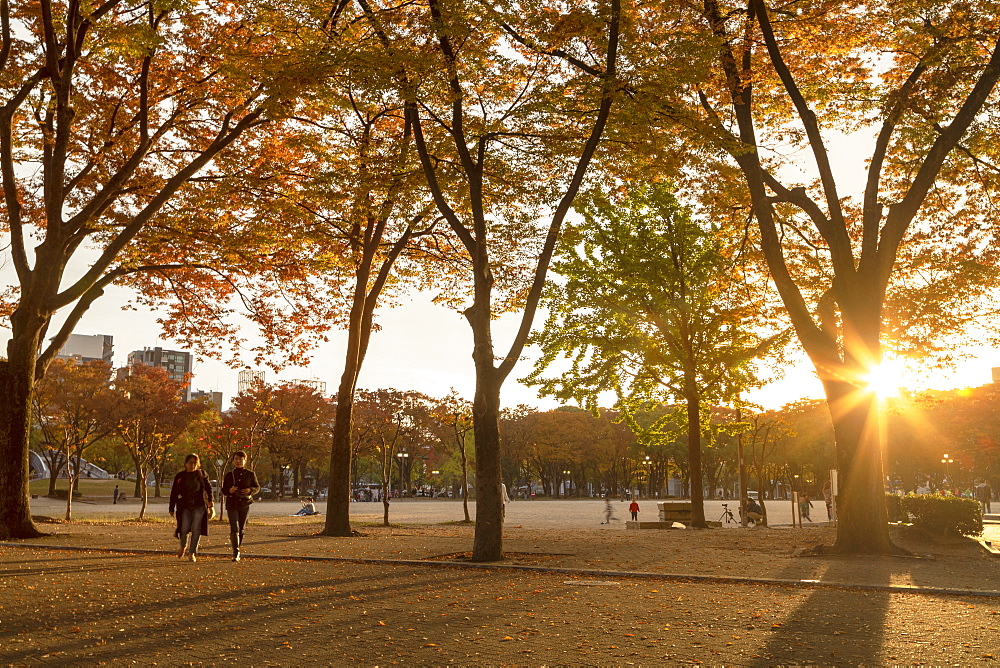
(938, 514)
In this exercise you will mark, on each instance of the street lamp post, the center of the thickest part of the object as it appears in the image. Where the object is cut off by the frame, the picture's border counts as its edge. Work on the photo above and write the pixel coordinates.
(649, 477)
(402, 463)
(946, 460)
(794, 495)
(566, 484)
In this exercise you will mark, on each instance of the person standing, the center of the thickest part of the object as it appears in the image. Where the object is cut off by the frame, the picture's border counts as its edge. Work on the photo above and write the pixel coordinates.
(238, 487)
(828, 500)
(191, 497)
(804, 505)
(114, 497)
(634, 509)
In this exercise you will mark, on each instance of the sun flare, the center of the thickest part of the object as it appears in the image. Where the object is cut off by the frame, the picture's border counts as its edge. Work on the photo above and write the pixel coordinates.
(885, 380)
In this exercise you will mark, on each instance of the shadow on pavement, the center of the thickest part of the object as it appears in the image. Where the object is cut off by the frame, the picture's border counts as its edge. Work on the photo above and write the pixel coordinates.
(829, 626)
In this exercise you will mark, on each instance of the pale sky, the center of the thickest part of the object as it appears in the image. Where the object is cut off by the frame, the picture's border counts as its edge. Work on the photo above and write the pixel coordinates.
(428, 348)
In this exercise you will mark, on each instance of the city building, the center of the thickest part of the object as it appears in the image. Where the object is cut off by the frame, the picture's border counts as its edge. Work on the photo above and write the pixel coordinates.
(316, 385)
(211, 396)
(88, 347)
(177, 363)
(248, 378)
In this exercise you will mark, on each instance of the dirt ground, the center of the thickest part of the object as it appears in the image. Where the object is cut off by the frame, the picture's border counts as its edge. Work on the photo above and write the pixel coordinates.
(623, 600)
(762, 553)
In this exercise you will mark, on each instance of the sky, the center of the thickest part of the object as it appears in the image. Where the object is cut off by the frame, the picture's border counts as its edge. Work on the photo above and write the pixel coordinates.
(426, 347)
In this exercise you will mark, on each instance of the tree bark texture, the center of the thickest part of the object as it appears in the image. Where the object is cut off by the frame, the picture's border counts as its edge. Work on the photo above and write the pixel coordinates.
(16, 386)
(862, 519)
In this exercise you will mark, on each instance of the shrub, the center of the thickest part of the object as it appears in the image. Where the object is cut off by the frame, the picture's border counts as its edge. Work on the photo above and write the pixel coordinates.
(943, 514)
(61, 494)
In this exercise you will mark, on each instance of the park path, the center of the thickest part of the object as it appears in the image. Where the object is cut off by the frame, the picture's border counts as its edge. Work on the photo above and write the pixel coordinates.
(84, 608)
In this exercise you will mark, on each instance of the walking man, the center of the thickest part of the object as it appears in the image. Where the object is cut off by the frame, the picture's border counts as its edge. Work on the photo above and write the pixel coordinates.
(238, 487)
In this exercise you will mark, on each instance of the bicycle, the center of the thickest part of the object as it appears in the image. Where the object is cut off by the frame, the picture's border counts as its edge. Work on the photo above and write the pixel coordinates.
(727, 515)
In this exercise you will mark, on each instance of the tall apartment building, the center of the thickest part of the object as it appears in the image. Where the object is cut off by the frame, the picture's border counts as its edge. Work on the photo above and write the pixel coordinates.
(177, 363)
(247, 378)
(88, 347)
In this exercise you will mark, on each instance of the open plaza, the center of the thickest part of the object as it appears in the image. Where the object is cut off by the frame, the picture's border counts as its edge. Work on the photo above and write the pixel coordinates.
(570, 591)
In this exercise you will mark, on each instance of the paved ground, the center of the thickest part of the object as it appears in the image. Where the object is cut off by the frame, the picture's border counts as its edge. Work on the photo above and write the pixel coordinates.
(84, 607)
(539, 513)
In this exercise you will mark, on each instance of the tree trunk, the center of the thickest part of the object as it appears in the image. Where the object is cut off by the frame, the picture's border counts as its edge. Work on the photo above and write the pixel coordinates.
(338, 504)
(862, 521)
(73, 480)
(465, 479)
(488, 542)
(17, 375)
(54, 469)
(695, 485)
(143, 492)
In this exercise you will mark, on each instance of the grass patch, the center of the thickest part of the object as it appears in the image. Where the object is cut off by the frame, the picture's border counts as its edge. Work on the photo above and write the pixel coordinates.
(86, 487)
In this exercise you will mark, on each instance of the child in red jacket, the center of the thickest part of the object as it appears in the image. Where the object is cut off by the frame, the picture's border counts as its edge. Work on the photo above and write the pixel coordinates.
(634, 509)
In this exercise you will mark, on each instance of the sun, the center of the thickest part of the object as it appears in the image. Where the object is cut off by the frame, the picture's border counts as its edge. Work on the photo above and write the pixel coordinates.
(885, 380)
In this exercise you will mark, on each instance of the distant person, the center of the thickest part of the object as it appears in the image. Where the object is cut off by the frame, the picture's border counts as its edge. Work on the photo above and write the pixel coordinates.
(754, 512)
(828, 500)
(191, 497)
(308, 508)
(504, 498)
(634, 509)
(804, 505)
(114, 497)
(238, 487)
(609, 511)
(984, 494)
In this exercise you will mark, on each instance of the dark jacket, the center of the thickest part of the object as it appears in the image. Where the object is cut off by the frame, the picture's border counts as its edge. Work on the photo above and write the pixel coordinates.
(179, 502)
(241, 479)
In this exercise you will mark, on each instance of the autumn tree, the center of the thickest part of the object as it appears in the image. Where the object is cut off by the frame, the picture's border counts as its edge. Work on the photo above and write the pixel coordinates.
(515, 104)
(67, 409)
(371, 199)
(653, 305)
(300, 432)
(451, 420)
(760, 441)
(514, 445)
(111, 111)
(388, 418)
(148, 413)
(903, 262)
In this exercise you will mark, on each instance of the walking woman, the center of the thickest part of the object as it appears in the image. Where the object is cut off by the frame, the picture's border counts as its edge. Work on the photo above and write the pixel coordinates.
(238, 487)
(191, 497)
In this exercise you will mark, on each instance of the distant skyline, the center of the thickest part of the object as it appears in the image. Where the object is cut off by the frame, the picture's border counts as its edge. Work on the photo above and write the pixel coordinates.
(428, 348)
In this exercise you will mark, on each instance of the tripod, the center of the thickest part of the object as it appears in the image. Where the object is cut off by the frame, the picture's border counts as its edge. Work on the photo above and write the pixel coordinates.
(727, 514)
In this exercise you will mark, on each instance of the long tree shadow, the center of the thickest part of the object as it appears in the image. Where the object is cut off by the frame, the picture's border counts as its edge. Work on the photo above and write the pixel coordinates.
(832, 625)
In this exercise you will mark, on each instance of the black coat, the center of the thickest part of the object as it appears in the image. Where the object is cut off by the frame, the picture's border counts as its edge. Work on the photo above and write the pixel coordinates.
(205, 500)
(242, 479)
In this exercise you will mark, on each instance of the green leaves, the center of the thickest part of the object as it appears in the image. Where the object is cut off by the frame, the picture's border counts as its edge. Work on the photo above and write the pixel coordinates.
(650, 303)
